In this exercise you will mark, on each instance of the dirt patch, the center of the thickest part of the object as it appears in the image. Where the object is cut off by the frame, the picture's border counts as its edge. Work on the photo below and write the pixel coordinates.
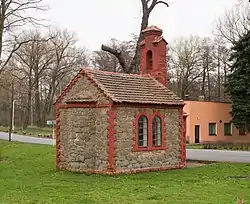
(192, 163)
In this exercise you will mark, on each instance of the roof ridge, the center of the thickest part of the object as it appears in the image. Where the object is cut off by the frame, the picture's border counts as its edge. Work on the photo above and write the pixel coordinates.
(114, 73)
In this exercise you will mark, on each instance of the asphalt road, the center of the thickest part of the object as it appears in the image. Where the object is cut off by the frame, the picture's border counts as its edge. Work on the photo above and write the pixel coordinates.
(192, 154)
(27, 139)
(219, 155)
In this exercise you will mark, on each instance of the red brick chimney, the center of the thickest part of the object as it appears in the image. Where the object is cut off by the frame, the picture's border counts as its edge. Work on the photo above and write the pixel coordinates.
(153, 54)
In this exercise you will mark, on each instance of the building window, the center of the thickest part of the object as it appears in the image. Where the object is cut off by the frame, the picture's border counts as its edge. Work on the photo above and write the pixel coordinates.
(143, 131)
(157, 131)
(242, 130)
(149, 59)
(150, 132)
(212, 129)
(227, 129)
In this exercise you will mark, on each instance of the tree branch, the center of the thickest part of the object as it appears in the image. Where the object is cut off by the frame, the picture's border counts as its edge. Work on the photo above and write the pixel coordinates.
(156, 2)
(118, 55)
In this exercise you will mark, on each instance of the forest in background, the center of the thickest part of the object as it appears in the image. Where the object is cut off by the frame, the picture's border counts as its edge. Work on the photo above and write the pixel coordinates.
(40, 64)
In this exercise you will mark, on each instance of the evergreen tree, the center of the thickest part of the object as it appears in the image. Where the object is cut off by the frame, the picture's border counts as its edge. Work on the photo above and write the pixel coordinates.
(239, 82)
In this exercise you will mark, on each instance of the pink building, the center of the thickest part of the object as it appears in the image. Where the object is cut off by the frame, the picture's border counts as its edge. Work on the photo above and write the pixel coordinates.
(211, 122)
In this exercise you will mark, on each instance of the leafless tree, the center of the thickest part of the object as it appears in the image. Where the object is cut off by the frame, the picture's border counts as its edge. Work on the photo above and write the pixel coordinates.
(67, 59)
(185, 63)
(147, 7)
(235, 23)
(13, 15)
(44, 66)
(31, 60)
(207, 66)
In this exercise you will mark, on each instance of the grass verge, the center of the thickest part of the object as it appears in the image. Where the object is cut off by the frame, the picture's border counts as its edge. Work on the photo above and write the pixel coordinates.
(28, 175)
(30, 131)
(221, 146)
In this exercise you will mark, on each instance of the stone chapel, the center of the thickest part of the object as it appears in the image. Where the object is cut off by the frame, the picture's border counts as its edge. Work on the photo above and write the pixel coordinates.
(111, 123)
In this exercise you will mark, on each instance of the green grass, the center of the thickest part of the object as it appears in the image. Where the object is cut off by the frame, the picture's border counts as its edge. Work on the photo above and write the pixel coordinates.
(30, 131)
(28, 175)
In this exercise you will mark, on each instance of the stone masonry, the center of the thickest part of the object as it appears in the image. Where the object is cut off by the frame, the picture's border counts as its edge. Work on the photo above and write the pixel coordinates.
(127, 159)
(83, 131)
(83, 139)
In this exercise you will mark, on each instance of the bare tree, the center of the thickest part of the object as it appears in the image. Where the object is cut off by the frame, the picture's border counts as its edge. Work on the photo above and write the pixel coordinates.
(66, 60)
(185, 63)
(235, 23)
(13, 15)
(147, 7)
(31, 60)
(207, 66)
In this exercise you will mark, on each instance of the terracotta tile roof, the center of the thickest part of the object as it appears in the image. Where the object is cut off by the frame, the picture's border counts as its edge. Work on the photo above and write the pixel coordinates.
(156, 40)
(152, 28)
(133, 88)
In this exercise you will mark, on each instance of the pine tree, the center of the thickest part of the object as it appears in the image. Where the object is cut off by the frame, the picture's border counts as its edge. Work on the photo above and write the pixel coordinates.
(239, 82)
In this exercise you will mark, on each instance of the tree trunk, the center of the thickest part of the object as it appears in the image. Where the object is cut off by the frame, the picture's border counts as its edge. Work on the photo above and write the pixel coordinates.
(37, 102)
(28, 109)
(203, 81)
(49, 101)
(208, 84)
(134, 66)
(218, 76)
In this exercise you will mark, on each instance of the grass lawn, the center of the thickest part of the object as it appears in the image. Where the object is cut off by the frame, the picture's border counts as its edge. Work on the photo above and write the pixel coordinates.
(28, 175)
(30, 131)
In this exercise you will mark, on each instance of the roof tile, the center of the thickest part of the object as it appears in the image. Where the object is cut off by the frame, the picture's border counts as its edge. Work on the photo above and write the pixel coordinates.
(133, 88)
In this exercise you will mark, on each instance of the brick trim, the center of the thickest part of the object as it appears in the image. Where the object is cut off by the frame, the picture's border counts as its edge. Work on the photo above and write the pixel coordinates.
(182, 139)
(57, 135)
(111, 139)
(80, 74)
(132, 171)
(69, 86)
(153, 106)
(150, 118)
(84, 105)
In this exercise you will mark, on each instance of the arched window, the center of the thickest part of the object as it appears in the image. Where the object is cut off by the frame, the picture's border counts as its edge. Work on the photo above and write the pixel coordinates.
(143, 131)
(149, 59)
(157, 131)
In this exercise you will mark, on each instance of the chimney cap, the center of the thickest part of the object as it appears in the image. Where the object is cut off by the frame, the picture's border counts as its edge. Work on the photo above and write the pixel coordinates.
(152, 29)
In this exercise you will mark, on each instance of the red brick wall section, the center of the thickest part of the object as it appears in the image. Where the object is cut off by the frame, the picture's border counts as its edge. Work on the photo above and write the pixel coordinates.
(111, 139)
(182, 139)
(159, 68)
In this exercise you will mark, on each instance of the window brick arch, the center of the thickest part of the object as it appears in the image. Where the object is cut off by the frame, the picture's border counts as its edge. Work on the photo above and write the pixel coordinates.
(150, 132)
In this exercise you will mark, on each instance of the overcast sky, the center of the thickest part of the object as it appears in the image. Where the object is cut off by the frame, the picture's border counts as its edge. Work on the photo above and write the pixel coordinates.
(96, 21)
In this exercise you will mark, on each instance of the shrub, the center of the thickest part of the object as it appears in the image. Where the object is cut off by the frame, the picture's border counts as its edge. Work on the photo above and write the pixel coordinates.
(227, 146)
